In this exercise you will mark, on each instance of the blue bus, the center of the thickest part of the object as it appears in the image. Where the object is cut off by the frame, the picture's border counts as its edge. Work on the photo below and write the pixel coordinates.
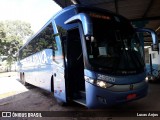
(87, 55)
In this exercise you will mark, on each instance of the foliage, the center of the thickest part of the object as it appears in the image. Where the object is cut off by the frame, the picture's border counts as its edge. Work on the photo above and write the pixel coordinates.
(12, 35)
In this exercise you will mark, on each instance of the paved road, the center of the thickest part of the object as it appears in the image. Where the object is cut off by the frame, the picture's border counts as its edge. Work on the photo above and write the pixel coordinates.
(15, 97)
(10, 86)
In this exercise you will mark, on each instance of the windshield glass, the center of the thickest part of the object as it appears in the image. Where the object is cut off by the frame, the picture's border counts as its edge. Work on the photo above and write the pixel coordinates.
(115, 46)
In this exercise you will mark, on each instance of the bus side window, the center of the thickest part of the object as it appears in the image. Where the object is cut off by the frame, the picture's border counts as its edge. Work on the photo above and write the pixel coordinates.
(58, 58)
(54, 48)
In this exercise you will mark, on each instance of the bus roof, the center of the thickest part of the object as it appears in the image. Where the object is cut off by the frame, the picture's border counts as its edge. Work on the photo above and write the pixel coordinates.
(76, 7)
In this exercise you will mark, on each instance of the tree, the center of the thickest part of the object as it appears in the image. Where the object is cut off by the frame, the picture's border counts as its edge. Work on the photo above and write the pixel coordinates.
(2, 36)
(12, 35)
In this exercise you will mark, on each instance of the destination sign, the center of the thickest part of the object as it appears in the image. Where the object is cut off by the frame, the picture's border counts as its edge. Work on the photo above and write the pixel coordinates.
(95, 15)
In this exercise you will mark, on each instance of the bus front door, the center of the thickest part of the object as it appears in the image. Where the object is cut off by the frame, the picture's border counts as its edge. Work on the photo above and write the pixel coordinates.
(58, 73)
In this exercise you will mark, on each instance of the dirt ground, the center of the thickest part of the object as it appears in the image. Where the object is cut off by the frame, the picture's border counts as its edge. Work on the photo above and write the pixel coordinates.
(20, 98)
(8, 74)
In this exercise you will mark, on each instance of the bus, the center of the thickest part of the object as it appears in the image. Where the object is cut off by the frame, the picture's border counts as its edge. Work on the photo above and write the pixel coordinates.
(153, 66)
(87, 55)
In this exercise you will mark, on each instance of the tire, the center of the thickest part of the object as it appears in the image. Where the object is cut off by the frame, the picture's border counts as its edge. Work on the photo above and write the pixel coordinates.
(158, 77)
(21, 76)
(23, 80)
(52, 85)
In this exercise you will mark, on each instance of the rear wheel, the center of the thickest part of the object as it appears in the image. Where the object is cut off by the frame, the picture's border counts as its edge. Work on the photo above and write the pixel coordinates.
(21, 75)
(23, 80)
(52, 84)
(158, 77)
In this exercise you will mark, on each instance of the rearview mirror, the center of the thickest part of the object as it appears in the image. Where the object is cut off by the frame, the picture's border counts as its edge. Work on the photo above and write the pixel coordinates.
(154, 45)
(86, 23)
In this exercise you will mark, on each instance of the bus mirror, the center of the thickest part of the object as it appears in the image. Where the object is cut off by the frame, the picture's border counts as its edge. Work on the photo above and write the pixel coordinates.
(86, 23)
(154, 46)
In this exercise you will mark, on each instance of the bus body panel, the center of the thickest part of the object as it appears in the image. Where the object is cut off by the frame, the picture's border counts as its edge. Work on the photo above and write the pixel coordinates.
(37, 69)
(59, 83)
(60, 80)
(122, 86)
(129, 79)
(59, 71)
(100, 98)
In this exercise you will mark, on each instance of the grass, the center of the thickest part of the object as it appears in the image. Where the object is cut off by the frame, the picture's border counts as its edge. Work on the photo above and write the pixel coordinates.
(8, 74)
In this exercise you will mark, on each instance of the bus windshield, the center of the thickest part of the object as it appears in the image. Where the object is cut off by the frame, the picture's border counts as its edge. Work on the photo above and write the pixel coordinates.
(115, 47)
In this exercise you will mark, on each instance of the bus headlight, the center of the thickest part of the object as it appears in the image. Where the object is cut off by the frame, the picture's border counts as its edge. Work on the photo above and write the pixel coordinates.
(103, 84)
(146, 79)
(99, 83)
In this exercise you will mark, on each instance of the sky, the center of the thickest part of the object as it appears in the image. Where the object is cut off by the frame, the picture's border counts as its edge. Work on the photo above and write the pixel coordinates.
(35, 12)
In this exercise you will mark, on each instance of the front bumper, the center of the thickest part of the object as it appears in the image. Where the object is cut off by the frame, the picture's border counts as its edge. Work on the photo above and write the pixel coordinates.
(97, 97)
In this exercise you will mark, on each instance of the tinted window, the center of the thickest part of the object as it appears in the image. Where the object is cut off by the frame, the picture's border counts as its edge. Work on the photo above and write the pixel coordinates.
(116, 46)
(44, 40)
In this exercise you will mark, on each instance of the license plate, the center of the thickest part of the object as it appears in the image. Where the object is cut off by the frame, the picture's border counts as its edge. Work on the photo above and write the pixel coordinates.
(131, 96)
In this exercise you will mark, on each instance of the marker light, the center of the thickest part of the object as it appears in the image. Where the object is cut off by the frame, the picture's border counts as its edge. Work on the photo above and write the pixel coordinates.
(90, 80)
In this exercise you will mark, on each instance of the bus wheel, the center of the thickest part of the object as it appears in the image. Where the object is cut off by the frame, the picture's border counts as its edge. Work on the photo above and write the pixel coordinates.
(23, 80)
(60, 102)
(52, 85)
(21, 76)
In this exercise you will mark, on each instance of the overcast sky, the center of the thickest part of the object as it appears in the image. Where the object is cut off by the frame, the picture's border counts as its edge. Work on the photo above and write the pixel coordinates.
(36, 12)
